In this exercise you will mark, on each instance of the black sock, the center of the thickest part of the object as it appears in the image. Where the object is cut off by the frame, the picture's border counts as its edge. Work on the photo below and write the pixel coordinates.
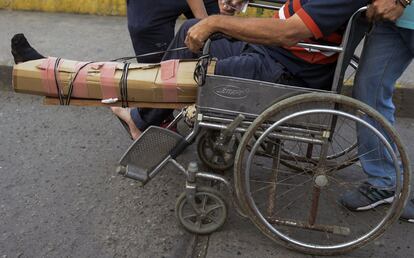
(22, 51)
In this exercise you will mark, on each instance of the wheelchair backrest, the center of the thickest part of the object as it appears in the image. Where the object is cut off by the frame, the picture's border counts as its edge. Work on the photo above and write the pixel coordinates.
(355, 31)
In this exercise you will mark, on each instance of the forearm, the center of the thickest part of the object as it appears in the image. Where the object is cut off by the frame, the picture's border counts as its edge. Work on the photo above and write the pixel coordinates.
(198, 8)
(265, 31)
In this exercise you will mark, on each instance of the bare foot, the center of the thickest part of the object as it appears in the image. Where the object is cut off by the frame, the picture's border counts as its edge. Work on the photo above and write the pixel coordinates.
(125, 115)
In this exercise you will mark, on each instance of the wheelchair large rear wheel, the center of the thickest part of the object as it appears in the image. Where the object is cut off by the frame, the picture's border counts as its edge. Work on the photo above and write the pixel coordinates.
(304, 210)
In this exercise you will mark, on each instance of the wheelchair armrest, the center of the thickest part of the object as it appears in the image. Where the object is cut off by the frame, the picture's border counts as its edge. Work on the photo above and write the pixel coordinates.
(270, 6)
(336, 49)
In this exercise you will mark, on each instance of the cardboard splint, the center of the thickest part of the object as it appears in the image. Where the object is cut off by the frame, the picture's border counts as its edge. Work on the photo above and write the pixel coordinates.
(169, 82)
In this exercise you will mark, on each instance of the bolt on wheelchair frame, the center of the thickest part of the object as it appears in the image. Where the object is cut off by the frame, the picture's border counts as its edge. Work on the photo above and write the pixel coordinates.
(276, 124)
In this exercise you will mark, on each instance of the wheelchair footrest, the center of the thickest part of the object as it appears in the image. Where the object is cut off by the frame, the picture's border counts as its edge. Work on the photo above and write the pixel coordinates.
(147, 152)
(133, 172)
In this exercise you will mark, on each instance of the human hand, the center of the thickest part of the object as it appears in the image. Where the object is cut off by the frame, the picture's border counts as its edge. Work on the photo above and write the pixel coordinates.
(230, 7)
(198, 34)
(385, 10)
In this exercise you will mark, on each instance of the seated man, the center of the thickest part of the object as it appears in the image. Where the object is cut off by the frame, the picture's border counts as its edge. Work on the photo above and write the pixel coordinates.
(265, 48)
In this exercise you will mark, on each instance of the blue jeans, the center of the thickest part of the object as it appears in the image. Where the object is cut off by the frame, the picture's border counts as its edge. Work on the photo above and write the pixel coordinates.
(387, 53)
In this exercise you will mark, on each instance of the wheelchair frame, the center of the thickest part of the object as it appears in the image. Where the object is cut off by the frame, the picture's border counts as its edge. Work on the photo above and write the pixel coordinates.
(225, 104)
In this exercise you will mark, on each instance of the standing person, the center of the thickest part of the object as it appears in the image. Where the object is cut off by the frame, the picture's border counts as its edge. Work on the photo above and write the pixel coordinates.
(151, 25)
(388, 51)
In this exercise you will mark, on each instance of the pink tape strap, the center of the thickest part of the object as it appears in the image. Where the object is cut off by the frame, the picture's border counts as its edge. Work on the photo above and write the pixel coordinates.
(80, 87)
(169, 72)
(109, 86)
(47, 75)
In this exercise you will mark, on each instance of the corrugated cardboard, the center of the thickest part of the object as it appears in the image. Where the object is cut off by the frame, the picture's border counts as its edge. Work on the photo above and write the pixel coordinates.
(144, 82)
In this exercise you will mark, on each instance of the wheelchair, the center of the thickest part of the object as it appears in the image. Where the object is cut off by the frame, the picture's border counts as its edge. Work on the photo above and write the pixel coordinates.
(294, 152)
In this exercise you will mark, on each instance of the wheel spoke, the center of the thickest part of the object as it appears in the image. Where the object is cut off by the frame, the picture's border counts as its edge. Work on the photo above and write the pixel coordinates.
(212, 218)
(203, 203)
(190, 216)
(216, 159)
(198, 223)
(213, 207)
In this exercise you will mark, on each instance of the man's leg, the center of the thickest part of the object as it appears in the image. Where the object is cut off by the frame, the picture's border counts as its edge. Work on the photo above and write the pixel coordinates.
(143, 118)
(152, 29)
(387, 53)
(211, 6)
(386, 56)
(221, 48)
(236, 59)
(151, 25)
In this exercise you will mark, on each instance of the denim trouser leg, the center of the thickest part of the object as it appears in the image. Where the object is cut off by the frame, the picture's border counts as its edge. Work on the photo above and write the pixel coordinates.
(235, 58)
(387, 53)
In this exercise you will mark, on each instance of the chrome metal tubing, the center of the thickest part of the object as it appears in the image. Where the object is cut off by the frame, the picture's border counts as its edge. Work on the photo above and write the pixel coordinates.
(211, 176)
(158, 168)
(341, 57)
(275, 135)
(224, 120)
(193, 134)
(282, 128)
(176, 119)
(178, 165)
(338, 230)
(220, 127)
(219, 178)
(265, 6)
(335, 49)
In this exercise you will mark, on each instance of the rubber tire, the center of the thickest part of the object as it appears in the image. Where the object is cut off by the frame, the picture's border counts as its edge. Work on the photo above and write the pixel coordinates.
(215, 167)
(182, 199)
(318, 97)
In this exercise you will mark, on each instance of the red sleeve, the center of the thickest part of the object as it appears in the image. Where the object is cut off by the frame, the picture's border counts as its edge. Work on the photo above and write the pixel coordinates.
(310, 23)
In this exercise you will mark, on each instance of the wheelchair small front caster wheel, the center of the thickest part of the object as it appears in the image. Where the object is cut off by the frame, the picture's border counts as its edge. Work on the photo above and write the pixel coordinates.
(210, 155)
(212, 211)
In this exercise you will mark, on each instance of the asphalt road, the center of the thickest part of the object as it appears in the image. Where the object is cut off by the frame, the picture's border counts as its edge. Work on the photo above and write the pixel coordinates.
(60, 196)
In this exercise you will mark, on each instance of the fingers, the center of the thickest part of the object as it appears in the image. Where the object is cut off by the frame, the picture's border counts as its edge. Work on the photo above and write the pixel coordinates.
(193, 41)
(384, 10)
(371, 14)
(228, 10)
(225, 8)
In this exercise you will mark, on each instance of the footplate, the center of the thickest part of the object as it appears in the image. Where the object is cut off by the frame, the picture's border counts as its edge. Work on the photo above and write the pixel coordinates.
(147, 152)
